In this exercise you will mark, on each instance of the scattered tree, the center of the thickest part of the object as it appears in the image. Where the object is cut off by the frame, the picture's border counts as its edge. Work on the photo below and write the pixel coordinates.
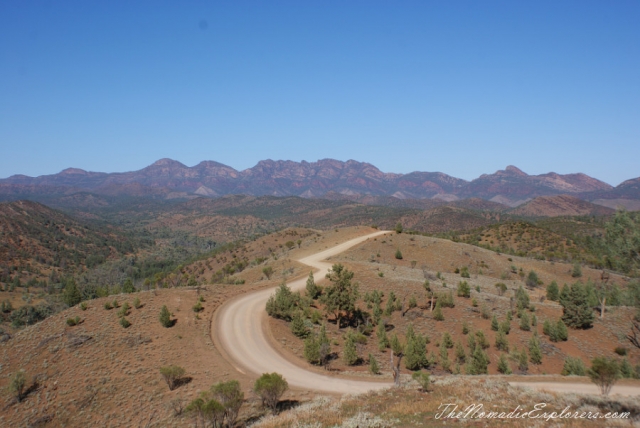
(312, 290)
(604, 372)
(267, 271)
(576, 312)
(18, 385)
(398, 254)
(423, 380)
(553, 292)
(501, 287)
(463, 289)
(270, 387)
(573, 366)
(503, 365)
(373, 365)
(172, 375)
(535, 354)
(165, 317)
(342, 294)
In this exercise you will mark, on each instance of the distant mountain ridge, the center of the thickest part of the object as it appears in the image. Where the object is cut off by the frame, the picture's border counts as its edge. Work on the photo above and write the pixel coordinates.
(167, 178)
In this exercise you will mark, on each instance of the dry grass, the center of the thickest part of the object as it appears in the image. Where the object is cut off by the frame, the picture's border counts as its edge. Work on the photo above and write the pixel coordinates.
(407, 407)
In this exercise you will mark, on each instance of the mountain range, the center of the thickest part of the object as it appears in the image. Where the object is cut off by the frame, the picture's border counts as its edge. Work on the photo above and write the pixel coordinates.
(326, 178)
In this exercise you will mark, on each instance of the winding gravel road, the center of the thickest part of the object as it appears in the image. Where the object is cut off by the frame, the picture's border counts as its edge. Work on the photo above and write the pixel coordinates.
(239, 330)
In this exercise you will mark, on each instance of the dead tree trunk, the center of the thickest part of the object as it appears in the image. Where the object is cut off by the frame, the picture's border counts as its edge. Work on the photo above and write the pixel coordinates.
(395, 368)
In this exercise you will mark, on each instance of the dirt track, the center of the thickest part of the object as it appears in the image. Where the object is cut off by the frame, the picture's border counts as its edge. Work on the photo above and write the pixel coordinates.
(238, 327)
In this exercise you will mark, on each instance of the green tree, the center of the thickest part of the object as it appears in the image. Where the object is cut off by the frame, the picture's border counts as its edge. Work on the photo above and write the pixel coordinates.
(341, 296)
(373, 365)
(165, 317)
(415, 352)
(573, 366)
(523, 361)
(479, 362)
(282, 304)
(172, 375)
(553, 292)
(437, 313)
(532, 280)
(505, 326)
(604, 372)
(231, 397)
(398, 254)
(501, 287)
(396, 346)
(312, 349)
(398, 228)
(461, 356)
(298, 327)
(502, 343)
(463, 289)
(524, 322)
(71, 295)
(576, 272)
(522, 299)
(561, 331)
(535, 354)
(350, 353)
(446, 341)
(622, 240)
(494, 323)
(445, 363)
(128, 286)
(270, 387)
(383, 341)
(576, 311)
(312, 290)
(18, 385)
(503, 365)
(423, 380)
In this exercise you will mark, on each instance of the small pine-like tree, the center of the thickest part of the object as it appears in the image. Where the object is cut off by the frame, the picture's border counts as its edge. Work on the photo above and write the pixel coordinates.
(523, 361)
(461, 356)
(437, 312)
(312, 349)
(561, 331)
(465, 328)
(298, 327)
(18, 385)
(501, 287)
(494, 324)
(524, 322)
(479, 362)
(481, 340)
(503, 365)
(573, 366)
(576, 312)
(415, 352)
(383, 341)
(312, 290)
(71, 295)
(576, 272)
(282, 304)
(532, 280)
(445, 363)
(373, 365)
(447, 342)
(396, 346)
(165, 317)
(398, 254)
(463, 289)
(505, 326)
(501, 342)
(535, 353)
(350, 354)
(553, 291)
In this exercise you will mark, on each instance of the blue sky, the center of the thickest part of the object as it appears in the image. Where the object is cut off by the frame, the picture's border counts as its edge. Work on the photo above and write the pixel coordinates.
(462, 87)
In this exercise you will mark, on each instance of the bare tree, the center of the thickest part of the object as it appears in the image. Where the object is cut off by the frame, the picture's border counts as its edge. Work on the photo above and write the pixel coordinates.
(396, 368)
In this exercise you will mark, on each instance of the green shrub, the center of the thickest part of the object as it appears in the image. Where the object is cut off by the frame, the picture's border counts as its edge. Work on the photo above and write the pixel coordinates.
(463, 289)
(464, 272)
(423, 380)
(447, 342)
(373, 365)
(197, 307)
(270, 387)
(398, 254)
(83, 306)
(18, 385)
(172, 375)
(124, 310)
(503, 365)
(165, 317)
(124, 322)
(136, 303)
(573, 366)
(108, 306)
(604, 372)
(620, 350)
(73, 321)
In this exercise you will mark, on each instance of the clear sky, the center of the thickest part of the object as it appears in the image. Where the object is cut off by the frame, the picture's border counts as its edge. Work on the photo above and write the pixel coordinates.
(462, 87)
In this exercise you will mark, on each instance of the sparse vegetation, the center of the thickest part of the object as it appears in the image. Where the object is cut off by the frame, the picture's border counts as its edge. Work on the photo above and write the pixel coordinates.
(270, 387)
